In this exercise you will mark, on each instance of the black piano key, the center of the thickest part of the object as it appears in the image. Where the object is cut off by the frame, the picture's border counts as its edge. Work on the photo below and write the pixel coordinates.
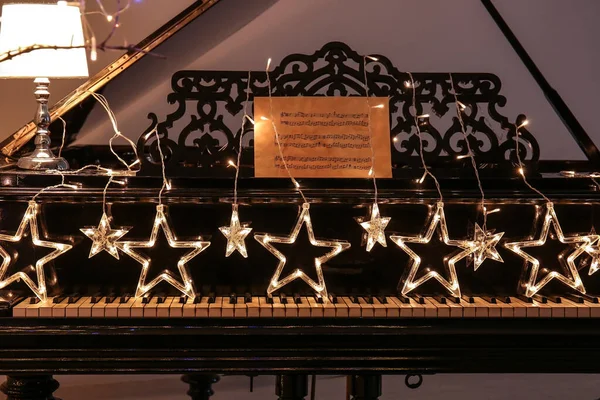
(297, 299)
(182, 299)
(403, 299)
(354, 299)
(554, 299)
(211, 298)
(269, 300)
(109, 299)
(319, 299)
(468, 299)
(418, 298)
(95, 298)
(123, 299)
(575, 298)
(197, 299)
(526, 299)
(540, 298)
(283, 298)
(369, 299)
(382, 299)
(146, 299)
(34, 300)
(160, 299)
(74, 299)
(441, 299)
(490, 299)
(233, 299)
(333, 298)
(58, 299)
(248, 298)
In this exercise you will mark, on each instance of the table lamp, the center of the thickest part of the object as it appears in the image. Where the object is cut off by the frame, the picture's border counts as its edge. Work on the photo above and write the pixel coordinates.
(46, 25)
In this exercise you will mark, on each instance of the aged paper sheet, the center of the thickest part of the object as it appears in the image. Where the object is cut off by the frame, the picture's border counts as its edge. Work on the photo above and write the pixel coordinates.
(322, 137)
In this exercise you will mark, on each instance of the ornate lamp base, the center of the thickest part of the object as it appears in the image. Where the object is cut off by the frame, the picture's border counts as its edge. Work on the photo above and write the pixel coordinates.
(42, 157)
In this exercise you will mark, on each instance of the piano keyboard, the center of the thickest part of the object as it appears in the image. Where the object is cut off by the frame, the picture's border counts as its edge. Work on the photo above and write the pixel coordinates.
(304, 307)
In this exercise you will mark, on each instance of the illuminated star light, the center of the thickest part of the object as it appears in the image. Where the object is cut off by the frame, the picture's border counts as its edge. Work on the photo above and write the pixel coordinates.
(438, 220)
(374, 228)
(103, 237)
(485, 246)
(337, 246)
(30, 220)
(551, 220)
(185, 285)
(236, 234)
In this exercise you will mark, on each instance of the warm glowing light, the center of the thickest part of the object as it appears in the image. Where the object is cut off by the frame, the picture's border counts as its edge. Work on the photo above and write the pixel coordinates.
(521, 171)
(262, 117)
(109, 18)
(231, 163)
(461, 105)
(524, 123)
(249, 119)
(268, 64)
(379, 106)
(372, 58)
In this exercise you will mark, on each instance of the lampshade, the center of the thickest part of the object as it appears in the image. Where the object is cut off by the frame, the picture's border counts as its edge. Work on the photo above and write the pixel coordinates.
(24, 25)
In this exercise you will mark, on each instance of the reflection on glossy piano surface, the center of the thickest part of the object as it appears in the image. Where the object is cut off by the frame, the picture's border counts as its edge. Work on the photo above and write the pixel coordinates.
(165, 298)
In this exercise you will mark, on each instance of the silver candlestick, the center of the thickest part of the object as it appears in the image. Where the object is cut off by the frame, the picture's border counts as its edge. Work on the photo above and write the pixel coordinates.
(42, 157)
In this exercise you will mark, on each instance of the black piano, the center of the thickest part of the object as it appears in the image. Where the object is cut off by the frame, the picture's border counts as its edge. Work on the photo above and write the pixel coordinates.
(531, 305)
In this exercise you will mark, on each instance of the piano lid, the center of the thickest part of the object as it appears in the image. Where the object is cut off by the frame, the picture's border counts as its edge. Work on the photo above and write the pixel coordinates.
(96, 83)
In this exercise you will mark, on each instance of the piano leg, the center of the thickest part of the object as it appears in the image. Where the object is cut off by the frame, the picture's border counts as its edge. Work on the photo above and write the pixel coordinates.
(200, 385)
(291, 387)
(33, 387)
(365, 387)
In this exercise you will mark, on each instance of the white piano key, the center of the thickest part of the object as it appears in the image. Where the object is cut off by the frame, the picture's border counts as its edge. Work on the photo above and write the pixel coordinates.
(316, 309)
(572, 309)
(137, 308)
(291, 309)
(366, 309)
(59, 309)
(341, 308)
(392, 310)
(214, 309)
(240, 308)
(405, 310)
(253, 307)
(20, 310)
(98, 308)
(85, 308)
(379, 309)
(176, 308)
(202, 307)
(265, 308)
(469, 309)
(354, 309)
(189, 308)
(482, 308)
(456, 309)
(227, 308)
(163, 310)
(278, 307)
(434, 308)
(72, 309)
(45, 308)
(124, 309)
(303, 308)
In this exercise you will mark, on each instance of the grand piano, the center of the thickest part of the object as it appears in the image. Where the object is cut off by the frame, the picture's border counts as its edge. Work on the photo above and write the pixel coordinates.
(536, 311)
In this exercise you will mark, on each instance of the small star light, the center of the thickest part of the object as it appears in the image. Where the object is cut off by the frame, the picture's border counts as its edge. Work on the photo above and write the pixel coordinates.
(30, 220)
(550, 219)
(236, 234)
(438, 220)
(184, 285)
(374, 228)
(337, 246)
(485, 246)
(103, 237)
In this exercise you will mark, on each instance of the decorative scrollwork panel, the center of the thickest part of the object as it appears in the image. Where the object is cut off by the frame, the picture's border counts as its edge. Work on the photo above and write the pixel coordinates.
(210, 104)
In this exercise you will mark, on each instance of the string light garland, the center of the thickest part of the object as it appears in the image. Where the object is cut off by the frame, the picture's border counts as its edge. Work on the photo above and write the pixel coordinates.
(30, 222)
(184, 284)
(336, 246)
(485, 241)
(265, 239)
(532, 285)
(374, 226)
(437, 220)
(236, 232)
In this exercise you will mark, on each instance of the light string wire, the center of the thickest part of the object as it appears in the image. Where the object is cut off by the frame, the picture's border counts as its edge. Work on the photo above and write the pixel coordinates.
(372, 171)
(521, 169)
(165, 182)
(239, 155)
(459, 110)
(272, 118)
(427, 171)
